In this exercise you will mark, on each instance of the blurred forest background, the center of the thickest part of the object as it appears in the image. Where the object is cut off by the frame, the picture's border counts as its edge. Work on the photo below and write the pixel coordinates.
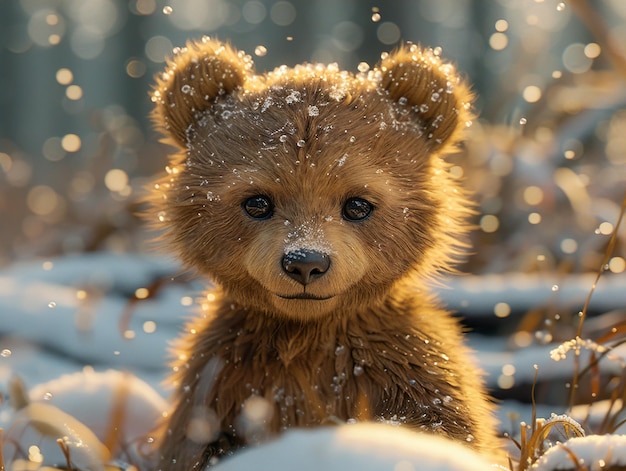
(546, 159)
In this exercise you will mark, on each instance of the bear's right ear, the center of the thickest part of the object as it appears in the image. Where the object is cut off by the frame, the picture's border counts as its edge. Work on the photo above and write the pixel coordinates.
(193, 78)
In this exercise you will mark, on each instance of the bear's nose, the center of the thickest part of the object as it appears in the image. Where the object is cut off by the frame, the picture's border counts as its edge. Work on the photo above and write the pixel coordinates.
(305, 265)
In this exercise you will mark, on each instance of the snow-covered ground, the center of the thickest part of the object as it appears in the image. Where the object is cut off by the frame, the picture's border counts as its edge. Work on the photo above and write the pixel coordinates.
(74, 332)
(364, 447)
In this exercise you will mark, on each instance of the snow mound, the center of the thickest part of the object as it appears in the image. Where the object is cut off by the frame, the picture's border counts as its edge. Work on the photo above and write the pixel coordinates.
(364, 446)
(78, 393)
(112, 407)
(591, 452)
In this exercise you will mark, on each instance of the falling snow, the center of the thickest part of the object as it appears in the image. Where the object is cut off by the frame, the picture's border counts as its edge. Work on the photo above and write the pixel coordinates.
(545, 164)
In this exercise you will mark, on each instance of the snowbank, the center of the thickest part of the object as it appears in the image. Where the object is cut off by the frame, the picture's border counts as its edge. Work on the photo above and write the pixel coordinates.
(366, 447)
(592, 452)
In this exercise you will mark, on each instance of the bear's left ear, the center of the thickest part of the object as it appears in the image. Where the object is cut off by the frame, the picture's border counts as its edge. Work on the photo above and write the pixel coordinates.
(194, 77)
(432, 89)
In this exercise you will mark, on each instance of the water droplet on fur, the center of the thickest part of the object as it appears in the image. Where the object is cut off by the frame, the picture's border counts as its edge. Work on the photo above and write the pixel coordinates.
(293, 97)
(523, 121)
(5, 353)
(437, 51)
(301, 143)
(185, 89)
(314, 110)
(352, 139)
(423, 108)
(340, 350)
(167, 10)
(469, 438)
(52, 304)
(555, 287)
(435, 97)
(358, 370)
(260, 51)
(212, 196)
(363, 67)
(47, 396)
(560, 6)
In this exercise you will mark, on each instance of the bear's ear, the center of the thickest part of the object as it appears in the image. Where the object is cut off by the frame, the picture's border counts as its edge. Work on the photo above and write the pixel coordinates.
(438, 98)
(193, 78)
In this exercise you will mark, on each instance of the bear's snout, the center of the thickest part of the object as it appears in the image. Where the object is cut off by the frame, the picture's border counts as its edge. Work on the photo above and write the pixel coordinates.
(305, 265)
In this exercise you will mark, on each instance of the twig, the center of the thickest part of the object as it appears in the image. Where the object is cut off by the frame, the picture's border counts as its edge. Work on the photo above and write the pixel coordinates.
(1, 454)
(601, 31)
(118, 413)
(583, 314)
(66, 453)
(533, 399)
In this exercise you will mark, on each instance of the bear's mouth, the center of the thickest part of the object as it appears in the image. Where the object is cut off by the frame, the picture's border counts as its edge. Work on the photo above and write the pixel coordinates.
(307, 296)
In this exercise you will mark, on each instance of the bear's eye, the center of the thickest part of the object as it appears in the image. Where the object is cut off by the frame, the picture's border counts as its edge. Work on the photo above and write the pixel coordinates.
(258, 207)
(356, 209)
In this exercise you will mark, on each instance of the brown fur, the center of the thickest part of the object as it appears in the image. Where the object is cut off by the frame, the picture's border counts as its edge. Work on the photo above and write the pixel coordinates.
(378, 348)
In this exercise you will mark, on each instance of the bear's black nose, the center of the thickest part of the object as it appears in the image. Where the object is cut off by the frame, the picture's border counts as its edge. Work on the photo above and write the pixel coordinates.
(305, 265)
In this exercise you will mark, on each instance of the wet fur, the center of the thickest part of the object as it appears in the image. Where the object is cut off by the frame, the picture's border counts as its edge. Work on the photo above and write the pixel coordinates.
(254, 363)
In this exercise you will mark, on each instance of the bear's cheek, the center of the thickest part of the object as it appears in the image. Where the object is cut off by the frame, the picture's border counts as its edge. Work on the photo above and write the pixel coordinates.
(210, 236)
(391, 244)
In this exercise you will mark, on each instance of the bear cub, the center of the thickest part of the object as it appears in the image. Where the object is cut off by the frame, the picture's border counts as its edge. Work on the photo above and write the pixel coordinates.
(319, 203)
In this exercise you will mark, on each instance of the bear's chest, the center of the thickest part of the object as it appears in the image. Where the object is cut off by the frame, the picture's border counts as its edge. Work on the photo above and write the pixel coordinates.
(350, 379)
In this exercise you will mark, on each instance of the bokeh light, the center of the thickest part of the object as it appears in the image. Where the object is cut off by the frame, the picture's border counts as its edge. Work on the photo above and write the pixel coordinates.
(283, 13)
(502, 310)
(71, 143)
(253, 12)
(64, 76)
(116, 179)
(74, 92)
(498, 41)
(388, 33)
(575, 60)
(42, 200)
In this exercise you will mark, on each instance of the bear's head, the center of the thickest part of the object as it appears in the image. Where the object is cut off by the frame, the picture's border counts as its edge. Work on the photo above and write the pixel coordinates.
(309, 190)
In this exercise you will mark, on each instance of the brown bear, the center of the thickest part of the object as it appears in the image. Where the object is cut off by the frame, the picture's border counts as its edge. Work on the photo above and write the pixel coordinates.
(319, 203)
